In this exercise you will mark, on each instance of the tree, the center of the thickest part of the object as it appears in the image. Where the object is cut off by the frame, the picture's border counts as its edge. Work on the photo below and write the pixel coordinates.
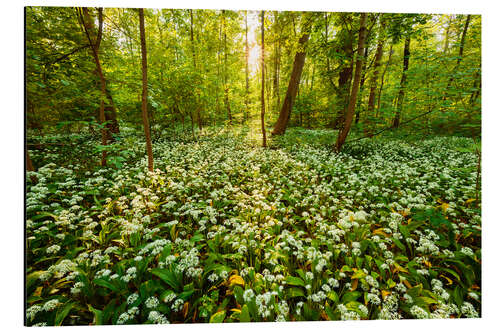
(198, 106)
(87, 25)
(226, 88)
(355, 85)
(293, 84)
(149, 146)
(247, 85)
(262, 100)
(30, 167)
(460, 56)
(402, 85)
(375, 74)
(345, 48)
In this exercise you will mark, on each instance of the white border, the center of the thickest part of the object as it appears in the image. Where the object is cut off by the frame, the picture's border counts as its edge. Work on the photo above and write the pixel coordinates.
(13, 154)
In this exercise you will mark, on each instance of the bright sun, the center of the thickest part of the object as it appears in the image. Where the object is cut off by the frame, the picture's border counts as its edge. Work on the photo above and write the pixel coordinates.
(254, 58)
(253, 33)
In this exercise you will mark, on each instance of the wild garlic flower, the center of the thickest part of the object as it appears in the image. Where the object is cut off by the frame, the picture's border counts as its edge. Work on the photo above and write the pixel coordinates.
(53, 249)
(152, 302)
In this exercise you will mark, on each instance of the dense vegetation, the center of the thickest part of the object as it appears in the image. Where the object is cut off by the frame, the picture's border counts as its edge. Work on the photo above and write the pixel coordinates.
(154, 195)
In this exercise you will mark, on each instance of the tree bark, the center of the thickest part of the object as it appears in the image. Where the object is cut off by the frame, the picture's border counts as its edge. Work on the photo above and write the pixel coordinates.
(198, 106)
(298, 65)
(226, 88)
(29, 167)
(447, 35)
(149, 147)
(87, 25)
(374, 78)
(382, 80)
(362, 84)
(345, 78)
(247, 85)
(109, 109)
(262, 101)
(460, 56)
(355, 86)
(401, 94)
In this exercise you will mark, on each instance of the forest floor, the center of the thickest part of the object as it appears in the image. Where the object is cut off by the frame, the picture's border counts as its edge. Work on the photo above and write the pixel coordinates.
(225, 230)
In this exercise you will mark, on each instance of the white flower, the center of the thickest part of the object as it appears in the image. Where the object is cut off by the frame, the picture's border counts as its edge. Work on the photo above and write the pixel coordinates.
(132, 298)
(152, 302)
(53, 249)
(51, 305)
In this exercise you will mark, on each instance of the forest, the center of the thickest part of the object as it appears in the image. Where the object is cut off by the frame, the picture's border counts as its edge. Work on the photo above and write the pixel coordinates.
(210, 166)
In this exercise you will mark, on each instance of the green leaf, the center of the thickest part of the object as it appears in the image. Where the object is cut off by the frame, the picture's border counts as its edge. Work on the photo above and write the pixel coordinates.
(218, 317)
(399, 244)
(97, 315)
(404, 231)
(107, 284)
(295, 281)
(333, 296)
(168, 277)
(245, 314)
(295, 292)
(350, 296)
(62, 313)
(358, 275)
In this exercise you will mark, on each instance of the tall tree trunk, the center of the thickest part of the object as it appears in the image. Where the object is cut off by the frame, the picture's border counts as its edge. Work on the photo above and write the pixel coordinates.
(109, 108)
(30, 168)
(226, 88)
(374, 78)
(355, 85)
(460, 56)
(382, 80)
(326, 43)
(293, 84)
(149, 146)
(278, 63)
(477, 88)
(198, 104)
(447, 36)
(87, 25)
(361, 85)
(401, 94)
(263, 106)
(344, 82)
(345, 77)
(247, 85)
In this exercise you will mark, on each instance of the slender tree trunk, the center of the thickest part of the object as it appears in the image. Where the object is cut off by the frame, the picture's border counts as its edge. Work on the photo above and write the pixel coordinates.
(278, 70)
(263, 106)
(382, 80)
(344, 82)
(355, 86)
(198, 106)
(361, 85)
(247, 85)
(447, 35)
(226, 88)
(217, 100)
(477, 86)
(401, 95)
(460, 56)
(29, 167)
(109, 109)
(87, 25)
(149, 147)
(374, 78)
(293, 85)
(326, 43)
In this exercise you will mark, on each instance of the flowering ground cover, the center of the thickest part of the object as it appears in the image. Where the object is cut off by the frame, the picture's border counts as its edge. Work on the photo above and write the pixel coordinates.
(226, 231)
